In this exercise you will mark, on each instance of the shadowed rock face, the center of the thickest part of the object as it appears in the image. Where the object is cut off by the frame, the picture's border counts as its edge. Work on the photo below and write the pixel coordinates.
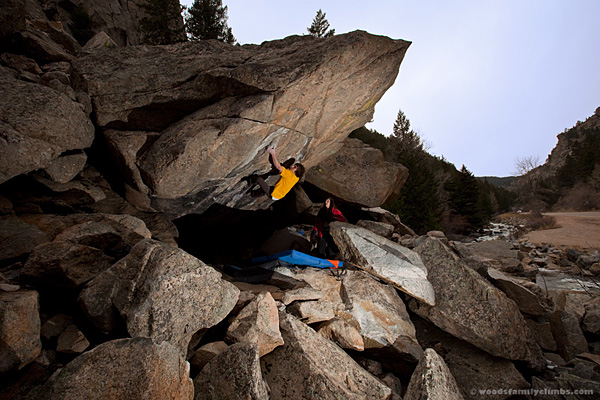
(221, 105)
(19, 329)
(37, 124)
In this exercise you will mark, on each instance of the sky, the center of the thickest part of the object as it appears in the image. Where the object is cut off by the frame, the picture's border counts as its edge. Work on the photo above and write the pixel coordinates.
(484, 82)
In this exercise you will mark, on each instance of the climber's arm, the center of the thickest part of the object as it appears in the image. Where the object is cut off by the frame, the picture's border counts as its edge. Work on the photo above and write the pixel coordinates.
(276, 163)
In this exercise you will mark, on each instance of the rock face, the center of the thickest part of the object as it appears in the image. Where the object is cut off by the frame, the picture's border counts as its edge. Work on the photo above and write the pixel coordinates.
(322, 369)
(204, 354)
(120, 19)
(221, 105)
(358, 173)
(258, 323)
(432, 380)
(18, 238)
(525, 299)
(63, 169)
(568, 334)
(381, 315)
(113, 234)
(385, 259)
(19, 329)
(161, 292)
(343, 333)
(474, 370)
(379, 228)
(471, 309)
(591, 320)
(499, 252)
(12, 17)
(233, 374)
(72, 341)
(37, 124)
(61, 264)
(123, 369)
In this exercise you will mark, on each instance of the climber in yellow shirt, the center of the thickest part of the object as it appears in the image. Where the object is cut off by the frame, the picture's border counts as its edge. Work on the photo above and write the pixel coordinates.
(288, 178)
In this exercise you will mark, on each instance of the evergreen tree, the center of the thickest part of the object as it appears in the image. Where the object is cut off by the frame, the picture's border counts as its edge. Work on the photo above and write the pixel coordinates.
(207, 19)
(163, 23)
(401, 125)
(418, 205)
(372, 138)
(435, 196)
(81, 25)
(485, 202)
(407, 140)
(320, 25)
(464, 194)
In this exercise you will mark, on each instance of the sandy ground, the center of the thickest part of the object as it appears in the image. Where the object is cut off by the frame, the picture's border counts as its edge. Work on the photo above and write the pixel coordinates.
(579, 230)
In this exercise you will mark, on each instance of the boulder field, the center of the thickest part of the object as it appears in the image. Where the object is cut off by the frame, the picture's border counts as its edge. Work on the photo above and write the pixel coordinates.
(127, 235)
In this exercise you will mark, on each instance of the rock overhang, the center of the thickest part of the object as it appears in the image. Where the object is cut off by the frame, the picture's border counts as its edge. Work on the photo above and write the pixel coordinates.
(215, 107)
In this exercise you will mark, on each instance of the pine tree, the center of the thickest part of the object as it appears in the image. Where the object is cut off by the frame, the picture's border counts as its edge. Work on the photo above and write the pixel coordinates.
(485, 206)
(320, 25)
(81, 25)
(207, 19)
(464, 194)
(408, 141)
(418, 205)
(401, 125)
(163, 23)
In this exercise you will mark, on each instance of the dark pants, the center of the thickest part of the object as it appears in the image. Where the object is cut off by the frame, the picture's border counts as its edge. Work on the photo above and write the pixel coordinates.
(264, 188)
(326, 247)
(260, 180)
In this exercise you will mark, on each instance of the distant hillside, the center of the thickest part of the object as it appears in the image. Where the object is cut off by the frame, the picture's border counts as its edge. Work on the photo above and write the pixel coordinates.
(570, 177)
(500, 182)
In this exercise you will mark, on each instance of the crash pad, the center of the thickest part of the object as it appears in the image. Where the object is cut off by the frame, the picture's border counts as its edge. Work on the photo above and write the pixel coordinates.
(298, 258)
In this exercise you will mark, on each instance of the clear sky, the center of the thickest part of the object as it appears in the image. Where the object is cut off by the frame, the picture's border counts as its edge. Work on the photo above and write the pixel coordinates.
(484, 82)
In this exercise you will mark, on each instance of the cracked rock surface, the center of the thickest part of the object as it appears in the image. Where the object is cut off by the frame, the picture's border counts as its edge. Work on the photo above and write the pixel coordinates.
(221, 105)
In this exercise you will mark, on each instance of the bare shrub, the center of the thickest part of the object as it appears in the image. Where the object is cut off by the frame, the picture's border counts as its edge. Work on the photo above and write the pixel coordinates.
(540, 222)
(582, 197)
(456, 225)
(534, 221)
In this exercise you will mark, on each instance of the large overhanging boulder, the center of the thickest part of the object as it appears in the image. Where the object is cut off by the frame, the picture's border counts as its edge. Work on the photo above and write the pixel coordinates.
(216, 106)
(37, 124)
(359, 174)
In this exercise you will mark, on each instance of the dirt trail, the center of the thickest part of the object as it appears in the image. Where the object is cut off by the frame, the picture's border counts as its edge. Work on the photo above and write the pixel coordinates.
(580, 230)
